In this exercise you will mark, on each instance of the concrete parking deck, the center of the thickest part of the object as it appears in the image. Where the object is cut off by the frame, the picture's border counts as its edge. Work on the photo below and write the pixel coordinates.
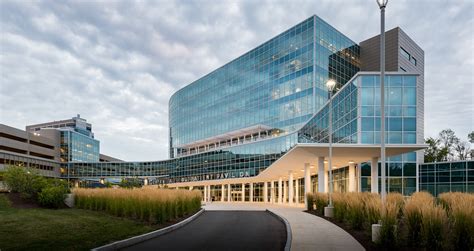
(309, 232)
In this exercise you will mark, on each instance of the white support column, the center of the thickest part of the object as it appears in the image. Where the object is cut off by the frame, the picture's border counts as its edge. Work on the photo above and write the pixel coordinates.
(205, 193)
(352, 178)
(374, 175)
(359, 178)
(272, 192)
(229, 196)
(291, 190)
(251, 192)
(297, 191)
(243, 191)
(307, 182)
(222, 193)
(285, 191)
(280, 191)
(321, 175)
(209, 197)
(326, 177)
(265, 192)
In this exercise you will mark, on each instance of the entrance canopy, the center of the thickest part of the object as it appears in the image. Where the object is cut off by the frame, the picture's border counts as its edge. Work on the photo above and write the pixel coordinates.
(295, 159)
(342, 155)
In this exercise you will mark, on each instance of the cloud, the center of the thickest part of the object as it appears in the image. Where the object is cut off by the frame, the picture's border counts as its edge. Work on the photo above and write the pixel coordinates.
(117, 63)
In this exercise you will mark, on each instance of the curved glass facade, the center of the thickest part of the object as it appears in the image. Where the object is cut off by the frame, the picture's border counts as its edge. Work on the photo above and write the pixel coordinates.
(273, 89)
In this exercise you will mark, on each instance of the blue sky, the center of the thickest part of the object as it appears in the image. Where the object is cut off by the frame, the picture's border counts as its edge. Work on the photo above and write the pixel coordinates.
(117, 62)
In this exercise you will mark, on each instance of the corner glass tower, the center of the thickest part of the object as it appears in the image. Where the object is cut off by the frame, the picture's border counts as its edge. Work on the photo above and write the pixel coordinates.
(271, 90)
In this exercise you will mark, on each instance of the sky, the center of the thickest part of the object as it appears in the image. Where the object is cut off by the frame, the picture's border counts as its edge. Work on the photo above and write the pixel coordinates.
(117, 63)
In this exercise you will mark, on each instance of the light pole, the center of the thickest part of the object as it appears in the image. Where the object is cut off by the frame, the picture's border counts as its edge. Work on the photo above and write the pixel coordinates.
(328, 212)
(382, 4)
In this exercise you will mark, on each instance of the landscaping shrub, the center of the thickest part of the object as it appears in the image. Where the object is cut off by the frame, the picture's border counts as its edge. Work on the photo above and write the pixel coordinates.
(131, 183)
(24, 181)
(320, 200)
(52, 196)
(147, 204)
(14, 178)
(310, 201)
(47, 192)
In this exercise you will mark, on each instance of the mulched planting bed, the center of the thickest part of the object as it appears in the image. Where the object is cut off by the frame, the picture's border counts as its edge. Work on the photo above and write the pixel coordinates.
(364, 237)
(18, 202)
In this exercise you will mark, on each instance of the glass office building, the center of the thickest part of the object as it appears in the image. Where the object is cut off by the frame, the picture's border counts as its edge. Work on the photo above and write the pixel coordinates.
(273, 89)
(240, 119)
(77, 147)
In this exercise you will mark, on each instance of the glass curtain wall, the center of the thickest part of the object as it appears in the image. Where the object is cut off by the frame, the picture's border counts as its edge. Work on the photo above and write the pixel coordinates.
(362, 94)
(400, 127)
(442, 177)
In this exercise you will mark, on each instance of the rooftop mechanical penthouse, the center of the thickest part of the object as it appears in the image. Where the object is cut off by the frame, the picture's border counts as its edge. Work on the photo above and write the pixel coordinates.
(259, 124)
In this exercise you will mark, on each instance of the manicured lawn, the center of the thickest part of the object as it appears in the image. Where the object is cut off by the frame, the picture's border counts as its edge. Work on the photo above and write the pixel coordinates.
(62, 229)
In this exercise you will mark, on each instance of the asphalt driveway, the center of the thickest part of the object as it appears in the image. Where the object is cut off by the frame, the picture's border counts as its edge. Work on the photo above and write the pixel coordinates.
(223, 230)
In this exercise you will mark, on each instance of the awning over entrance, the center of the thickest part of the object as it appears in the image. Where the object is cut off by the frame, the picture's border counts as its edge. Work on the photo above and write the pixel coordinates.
(342, 155)
(302, 153)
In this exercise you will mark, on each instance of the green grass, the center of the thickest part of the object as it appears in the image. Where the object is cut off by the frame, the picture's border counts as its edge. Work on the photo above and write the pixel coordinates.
(62, 229)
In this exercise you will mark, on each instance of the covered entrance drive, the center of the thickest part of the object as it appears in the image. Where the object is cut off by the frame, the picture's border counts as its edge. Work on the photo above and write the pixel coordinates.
(302, 170)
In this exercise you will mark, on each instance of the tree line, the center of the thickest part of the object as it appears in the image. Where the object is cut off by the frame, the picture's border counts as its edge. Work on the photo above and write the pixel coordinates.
(448, 147)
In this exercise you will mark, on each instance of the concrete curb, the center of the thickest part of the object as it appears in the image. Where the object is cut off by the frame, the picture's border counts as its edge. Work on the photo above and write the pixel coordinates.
(289, 237)
(144, 237)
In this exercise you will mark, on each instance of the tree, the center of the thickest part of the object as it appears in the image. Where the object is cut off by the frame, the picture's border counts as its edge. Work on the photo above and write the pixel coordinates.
(462, 149)
(131, 183)
(447, 139)
(470, 136)
(435, 151)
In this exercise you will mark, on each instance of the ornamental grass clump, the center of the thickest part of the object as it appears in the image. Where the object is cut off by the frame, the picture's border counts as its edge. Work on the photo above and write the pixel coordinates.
(434, 219)
(355, 210)
(460, 208)
(373, 206)
(340, 206)
(146, 204)
(412, 213)
(389, 214)
(310, 201)
(398, 201)
(320, 200)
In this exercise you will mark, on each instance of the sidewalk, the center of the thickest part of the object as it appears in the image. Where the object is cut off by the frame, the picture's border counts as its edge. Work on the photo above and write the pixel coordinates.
(309, 232)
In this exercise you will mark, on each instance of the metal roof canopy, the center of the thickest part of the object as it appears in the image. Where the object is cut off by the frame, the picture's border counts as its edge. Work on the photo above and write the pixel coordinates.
(302, 153)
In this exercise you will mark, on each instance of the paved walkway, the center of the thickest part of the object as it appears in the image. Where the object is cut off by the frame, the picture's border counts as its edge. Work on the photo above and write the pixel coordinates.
(309, 232)
(223, 230)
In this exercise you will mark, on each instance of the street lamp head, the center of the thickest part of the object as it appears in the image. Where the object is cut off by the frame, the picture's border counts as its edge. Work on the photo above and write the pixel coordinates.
(382, 3)
(330, 84)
